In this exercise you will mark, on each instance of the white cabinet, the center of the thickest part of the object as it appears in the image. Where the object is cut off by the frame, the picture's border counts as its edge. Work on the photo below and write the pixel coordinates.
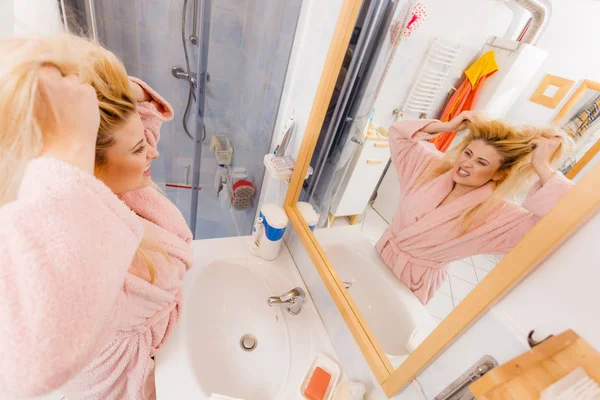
(362, 180)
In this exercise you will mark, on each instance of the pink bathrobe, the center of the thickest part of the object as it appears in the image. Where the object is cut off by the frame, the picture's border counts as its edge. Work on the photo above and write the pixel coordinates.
(422, 238)
(124, 369)
(65, 246)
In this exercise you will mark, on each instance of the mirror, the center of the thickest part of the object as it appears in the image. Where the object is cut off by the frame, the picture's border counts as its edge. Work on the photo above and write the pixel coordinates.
(578, 118)
(412, 217)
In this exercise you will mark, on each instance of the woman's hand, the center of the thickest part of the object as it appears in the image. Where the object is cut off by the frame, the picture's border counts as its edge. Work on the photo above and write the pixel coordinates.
(139, 94)
(69, 116)
(459, 122)
(545, 147)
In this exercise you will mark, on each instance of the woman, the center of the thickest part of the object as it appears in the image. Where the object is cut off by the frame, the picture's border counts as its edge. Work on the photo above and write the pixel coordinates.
(59, 286)
(453, 206)
(116, 312)
(130, 117)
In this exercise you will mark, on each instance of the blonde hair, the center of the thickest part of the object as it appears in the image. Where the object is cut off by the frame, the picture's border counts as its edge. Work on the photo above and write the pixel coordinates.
(20, 102)
(21, 134)
(514, 144)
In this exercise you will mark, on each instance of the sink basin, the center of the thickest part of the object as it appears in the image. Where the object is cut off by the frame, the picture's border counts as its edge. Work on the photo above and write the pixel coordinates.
(224, 301)
(234, 300)
(394, 314)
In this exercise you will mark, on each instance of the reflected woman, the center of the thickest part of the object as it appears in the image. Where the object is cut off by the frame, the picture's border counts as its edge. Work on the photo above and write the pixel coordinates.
(453, 205)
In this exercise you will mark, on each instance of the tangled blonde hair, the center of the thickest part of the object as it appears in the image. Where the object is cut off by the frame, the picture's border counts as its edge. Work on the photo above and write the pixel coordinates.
(515, 146)
(21, 134)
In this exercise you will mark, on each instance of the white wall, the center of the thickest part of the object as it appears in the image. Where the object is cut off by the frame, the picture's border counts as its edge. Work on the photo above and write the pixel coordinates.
(566, 39)
(459, 21)
(36, 17)
(311, 43)
(6, 17)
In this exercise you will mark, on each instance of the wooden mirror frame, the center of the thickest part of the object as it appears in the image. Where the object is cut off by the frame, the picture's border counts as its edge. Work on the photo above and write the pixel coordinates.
(568, 215)
(589, 155)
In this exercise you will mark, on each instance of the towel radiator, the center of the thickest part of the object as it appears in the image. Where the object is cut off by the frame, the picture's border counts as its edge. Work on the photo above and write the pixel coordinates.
(432, 76)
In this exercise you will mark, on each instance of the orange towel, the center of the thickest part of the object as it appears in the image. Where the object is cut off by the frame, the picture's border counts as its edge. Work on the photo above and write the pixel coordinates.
(466, 95)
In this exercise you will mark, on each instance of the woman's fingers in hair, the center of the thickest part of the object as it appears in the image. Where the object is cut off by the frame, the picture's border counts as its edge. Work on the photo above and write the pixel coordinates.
(468, 115)
(549, 144)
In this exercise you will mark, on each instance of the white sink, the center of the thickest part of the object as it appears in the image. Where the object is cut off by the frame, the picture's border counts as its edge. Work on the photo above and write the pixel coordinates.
(234, 299)
(394, 314)
(225, 298)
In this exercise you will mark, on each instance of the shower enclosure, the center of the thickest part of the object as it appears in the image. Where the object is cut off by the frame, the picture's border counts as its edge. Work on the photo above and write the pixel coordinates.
(221, 64)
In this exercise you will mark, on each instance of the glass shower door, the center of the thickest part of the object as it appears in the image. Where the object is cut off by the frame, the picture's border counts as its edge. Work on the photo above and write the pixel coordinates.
(221, 65)
(246, 45)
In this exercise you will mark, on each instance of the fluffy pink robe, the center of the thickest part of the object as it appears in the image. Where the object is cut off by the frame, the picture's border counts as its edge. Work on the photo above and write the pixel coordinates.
(422, 238)
(124, 369)
(65, 246)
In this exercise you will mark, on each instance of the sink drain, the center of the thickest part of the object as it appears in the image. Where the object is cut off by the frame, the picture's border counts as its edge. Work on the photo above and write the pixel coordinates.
(248, 342)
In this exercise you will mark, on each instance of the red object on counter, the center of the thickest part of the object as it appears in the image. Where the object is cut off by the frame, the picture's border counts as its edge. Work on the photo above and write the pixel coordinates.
(317, 386)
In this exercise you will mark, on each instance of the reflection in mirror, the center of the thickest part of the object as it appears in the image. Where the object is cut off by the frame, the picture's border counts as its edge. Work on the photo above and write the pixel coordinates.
(415, 200)
(579, 119)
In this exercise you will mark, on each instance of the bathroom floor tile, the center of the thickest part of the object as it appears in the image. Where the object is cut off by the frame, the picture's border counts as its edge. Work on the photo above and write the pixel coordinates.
(440, 306)
(468, 260)
(463, 271)
(445, 288)
(460, 288)
(485, 261)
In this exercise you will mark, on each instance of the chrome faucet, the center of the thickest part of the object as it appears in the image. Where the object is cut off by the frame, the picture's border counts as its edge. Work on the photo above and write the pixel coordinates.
(292, 300)
(180, 73)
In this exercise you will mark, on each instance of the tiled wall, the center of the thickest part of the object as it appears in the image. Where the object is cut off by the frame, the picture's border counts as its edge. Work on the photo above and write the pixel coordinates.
(249, 47)
(265, 47)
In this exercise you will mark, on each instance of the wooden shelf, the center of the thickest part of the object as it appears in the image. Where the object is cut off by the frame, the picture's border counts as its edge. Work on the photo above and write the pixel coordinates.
(525, 377)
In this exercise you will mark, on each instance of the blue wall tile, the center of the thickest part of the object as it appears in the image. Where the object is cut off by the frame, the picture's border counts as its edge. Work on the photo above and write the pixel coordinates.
(269, 12)
(281, 60)
(289, 17)
(272, 97)
(242, 141)
(159, 49)
(227, 26)
(132, 70)
(157, 14)
(160, 80)
(218, 122)
(232, 4)
(116, 10)
(120, 39)
(220, 94)
(267, 44)
(183, 145)
(250, 39)
(223, 62)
